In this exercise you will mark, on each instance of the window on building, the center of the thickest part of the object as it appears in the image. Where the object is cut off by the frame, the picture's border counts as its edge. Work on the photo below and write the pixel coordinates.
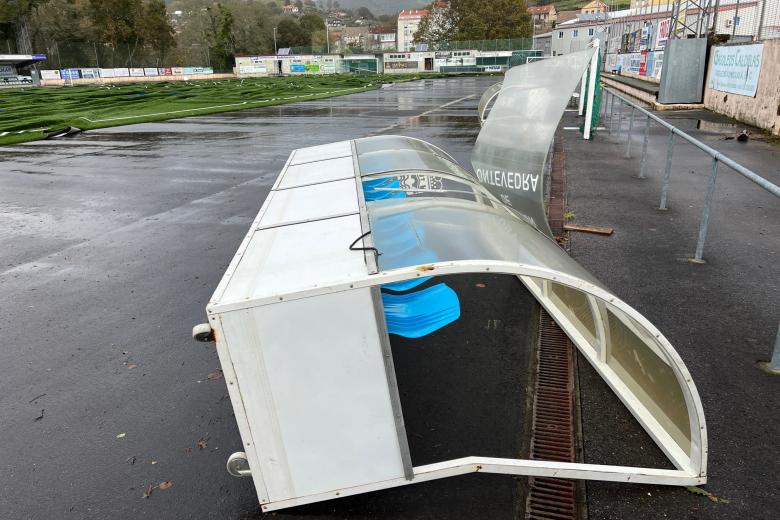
(575, 33)
(560, 35)
(591, 31)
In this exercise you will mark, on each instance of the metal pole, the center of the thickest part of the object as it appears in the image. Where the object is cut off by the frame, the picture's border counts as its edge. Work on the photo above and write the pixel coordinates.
(668, 172)
(593, 72)
(775, 363)
(734, 21)
(761, 20)
(705, 214)
(583, 84)
(276, 50)
(644, 149)
(715, 17)
(628, 139)
(620, 119)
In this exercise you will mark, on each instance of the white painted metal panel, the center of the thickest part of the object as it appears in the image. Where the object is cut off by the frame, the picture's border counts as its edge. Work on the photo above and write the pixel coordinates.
(322, 152)
(311, 203)
(312, 173)
(313, 382)
(293, 258)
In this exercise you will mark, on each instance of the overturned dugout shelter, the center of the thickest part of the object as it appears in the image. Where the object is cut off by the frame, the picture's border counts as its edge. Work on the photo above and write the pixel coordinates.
(334, 263)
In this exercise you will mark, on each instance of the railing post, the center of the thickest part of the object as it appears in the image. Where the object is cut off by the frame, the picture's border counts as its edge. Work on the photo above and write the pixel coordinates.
(668, 171)
(630, 129)
(620, 119)
(644, 149)
(583, 84)
(608, 121)
(705, 214)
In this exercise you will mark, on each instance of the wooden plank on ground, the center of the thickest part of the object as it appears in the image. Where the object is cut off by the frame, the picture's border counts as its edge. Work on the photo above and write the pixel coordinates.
(598, 230)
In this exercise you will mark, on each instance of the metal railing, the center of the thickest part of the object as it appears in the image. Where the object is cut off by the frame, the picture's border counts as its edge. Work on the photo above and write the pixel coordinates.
(717, 158)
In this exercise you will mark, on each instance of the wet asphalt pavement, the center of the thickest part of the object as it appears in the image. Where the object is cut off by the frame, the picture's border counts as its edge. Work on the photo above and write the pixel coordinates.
(111, 244)
(721, 317)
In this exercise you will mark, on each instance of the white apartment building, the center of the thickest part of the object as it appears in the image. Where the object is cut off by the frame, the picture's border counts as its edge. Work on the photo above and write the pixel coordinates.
(408, 23)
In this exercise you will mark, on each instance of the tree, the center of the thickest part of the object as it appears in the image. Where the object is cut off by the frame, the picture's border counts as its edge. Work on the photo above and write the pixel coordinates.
(440, 23)
(364, 12)
(504, 19)
(221, 41)
(290, 34)
(155, 28)
(469, 20)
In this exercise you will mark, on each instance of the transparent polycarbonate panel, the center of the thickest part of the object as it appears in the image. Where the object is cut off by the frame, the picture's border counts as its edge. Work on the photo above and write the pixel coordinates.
(575, 305)
(383, 161)
(512, 147)
(641, 364)
(415, 185)
(396, 142)
(484, 101)
(418, 231)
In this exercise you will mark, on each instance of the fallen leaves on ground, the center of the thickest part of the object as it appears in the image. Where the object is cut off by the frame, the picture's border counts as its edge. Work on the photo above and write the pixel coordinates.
(130, 367)
(703, 492)
(165, 484)
(217, 374)
(202, 444)
(121, 435)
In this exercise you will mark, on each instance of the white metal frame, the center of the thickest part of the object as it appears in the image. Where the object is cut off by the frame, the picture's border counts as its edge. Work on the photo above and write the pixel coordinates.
(690, 470)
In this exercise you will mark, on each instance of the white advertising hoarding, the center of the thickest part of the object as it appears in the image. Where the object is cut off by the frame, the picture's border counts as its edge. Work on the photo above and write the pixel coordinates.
(253, 69)
(106, 73)
(736, 69)
(121, 72)
(50, 74)
(136, 72)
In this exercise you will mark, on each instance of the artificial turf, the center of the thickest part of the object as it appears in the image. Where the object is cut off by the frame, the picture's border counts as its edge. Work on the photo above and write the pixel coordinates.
(27, 114)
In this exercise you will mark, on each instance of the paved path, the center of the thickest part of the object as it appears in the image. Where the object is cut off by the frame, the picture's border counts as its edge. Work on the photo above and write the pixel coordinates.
(721, 317)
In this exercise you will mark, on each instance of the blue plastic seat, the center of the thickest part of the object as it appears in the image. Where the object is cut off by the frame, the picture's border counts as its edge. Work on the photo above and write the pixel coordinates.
(381, 189)
(418, 314)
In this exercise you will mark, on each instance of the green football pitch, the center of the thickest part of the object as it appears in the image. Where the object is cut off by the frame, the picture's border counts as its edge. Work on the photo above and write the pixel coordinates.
(30, 113)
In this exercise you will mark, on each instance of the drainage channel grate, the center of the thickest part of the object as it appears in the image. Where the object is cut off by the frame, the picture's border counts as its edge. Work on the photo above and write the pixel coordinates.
(552, 430)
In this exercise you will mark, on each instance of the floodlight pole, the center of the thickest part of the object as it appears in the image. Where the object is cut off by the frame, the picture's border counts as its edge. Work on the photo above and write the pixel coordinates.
(594, 63)
(276, 51)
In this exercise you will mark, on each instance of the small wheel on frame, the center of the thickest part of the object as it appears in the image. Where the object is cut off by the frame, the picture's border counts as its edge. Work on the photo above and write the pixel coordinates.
(238, 466)
(203, 333)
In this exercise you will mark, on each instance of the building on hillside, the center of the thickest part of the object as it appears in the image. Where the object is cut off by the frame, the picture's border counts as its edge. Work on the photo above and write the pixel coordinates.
(543, 42)
(290, 9)
(638, 4)
(383, 39)
(408, 23)
(356, 36)
(565, 16)
(543, 15)
(596, 6)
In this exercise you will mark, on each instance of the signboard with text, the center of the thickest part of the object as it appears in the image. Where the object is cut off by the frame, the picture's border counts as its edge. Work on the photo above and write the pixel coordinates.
(663, 33)
(736, 69)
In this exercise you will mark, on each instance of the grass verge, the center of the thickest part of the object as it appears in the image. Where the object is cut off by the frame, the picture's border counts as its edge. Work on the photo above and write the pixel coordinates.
(26, 114)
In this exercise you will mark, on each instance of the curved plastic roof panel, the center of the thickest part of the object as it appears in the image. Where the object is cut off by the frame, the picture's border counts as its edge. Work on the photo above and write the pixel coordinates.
(512, 148)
